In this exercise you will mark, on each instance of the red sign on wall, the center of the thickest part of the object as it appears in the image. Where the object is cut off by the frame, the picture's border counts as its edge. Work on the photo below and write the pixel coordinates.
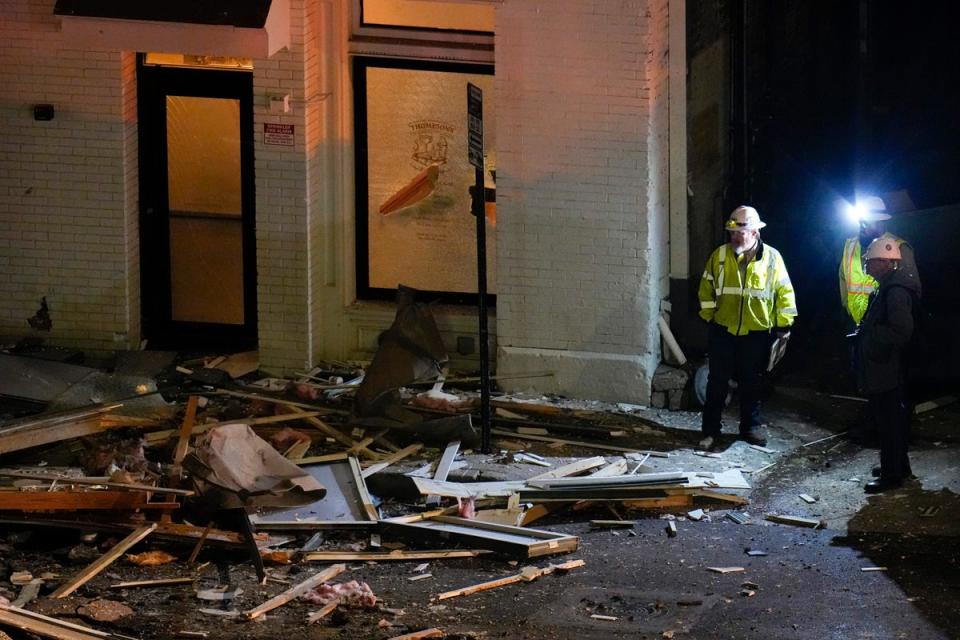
(276, 133)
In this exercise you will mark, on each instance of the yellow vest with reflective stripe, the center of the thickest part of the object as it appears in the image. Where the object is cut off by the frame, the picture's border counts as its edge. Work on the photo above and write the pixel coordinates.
(856, 285)
(764, 299)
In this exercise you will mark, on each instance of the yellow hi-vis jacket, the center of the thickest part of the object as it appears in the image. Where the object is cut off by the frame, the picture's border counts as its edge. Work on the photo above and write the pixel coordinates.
(761, 303)
(856, 285)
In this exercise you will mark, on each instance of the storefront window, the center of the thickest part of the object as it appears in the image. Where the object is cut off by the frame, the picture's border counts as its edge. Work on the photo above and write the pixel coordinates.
(414, 225)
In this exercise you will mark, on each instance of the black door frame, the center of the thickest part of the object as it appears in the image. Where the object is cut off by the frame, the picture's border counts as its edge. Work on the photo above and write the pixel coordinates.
(154, 83)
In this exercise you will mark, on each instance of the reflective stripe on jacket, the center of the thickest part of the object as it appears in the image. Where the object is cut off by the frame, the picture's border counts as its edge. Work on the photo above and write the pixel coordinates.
(856, 285)
(764, 300)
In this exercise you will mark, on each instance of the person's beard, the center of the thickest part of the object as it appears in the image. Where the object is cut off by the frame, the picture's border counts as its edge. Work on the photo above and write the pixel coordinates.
(744, 245)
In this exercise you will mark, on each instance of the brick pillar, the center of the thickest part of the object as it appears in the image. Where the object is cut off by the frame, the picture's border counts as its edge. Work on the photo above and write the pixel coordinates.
(582, 193)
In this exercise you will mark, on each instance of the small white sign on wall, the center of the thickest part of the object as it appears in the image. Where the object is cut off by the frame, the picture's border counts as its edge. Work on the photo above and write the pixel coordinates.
(279, 134)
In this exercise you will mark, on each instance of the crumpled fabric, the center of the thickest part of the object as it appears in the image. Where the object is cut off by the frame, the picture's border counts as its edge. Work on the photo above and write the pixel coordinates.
(357, 595)
(248, 471)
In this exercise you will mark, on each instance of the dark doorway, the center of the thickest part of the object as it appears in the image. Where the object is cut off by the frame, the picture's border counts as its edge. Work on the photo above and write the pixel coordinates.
(197, 243)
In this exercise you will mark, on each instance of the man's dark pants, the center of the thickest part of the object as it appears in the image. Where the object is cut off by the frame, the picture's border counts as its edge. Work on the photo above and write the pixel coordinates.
(890, 415)
(744, 356)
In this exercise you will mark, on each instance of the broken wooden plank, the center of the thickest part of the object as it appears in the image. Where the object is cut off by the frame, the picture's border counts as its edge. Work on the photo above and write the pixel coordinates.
(38, 501)
(336, 434)
(572, 443)
(572, 469)
(46, 626)
(397, 555)
(295, 591)
(807, 498)
(930, 405)
(432, 632)
(617, 468)
(103, 561)
(527, 575)
(160, 582)
(443, 468)
(671, 529)
(725, 569)
(322, 613)
(813, 523)
(183, 443)
(391, 459)
(668, 502)
(100, 482)
(14, 438)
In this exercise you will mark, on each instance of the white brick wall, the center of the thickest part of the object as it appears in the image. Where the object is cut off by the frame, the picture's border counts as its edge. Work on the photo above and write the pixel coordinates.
(581, 190)
(67, 195)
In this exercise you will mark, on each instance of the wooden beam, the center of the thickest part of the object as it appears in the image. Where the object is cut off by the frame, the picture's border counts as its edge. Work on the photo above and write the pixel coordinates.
(391, 459)
(295, 591)
(330, 431)
(160, 582)
(34, 501)
(46, 626)
(189, 417)
(378, 556)
(101, 482)
(572, 469)
(322, 613)
(433, 632)
(103, 561)
(572, 443)
(659, 503)
(527, 575)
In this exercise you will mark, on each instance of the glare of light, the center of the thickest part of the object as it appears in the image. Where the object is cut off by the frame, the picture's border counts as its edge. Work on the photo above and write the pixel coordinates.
(855, 212)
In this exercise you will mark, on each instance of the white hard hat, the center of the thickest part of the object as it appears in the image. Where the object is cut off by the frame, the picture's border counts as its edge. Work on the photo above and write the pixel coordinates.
(883, 247)
(743, 218)
(872, 209)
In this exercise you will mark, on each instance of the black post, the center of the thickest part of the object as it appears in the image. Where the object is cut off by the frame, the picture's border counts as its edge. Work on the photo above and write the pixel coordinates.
(478, 208)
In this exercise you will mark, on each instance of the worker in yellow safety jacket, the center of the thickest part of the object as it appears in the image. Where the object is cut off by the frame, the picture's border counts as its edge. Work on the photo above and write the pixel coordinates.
(856, 285)
(746, 296)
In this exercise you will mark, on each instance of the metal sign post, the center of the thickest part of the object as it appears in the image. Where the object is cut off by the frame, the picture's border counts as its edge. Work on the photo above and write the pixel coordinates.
(475, 154)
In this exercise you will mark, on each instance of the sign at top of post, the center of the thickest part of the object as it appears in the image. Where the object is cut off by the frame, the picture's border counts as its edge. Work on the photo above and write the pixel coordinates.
(475, 125)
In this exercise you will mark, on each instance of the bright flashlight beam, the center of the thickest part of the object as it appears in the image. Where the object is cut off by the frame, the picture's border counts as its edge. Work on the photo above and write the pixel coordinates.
(855, 212)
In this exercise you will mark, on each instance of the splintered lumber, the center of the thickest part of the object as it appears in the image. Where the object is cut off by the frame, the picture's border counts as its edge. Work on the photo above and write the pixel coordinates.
(36, 501)
(528, 574)
(103, 561)
(46, 626)
(572, 443)
(617, 468)
(398, 555)
(101, 482)
(322, 613)
(295, 591)
(930, 405)
(391, 459)
(797, 521)
(432, 632)
(332, 432)
(668, 502)
(189, 418)
(574, 468)
(160, 582)
(25, 435)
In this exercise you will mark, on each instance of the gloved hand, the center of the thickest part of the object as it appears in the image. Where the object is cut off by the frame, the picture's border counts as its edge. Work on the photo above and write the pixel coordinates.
(782, 332)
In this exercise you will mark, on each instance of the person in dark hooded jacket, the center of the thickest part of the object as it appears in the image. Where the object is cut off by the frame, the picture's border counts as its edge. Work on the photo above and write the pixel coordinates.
(882, 341)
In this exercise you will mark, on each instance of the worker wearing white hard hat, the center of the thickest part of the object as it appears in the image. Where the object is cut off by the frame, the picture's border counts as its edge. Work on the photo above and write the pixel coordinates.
(855, 284)
(747, 298)
(882, 342)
